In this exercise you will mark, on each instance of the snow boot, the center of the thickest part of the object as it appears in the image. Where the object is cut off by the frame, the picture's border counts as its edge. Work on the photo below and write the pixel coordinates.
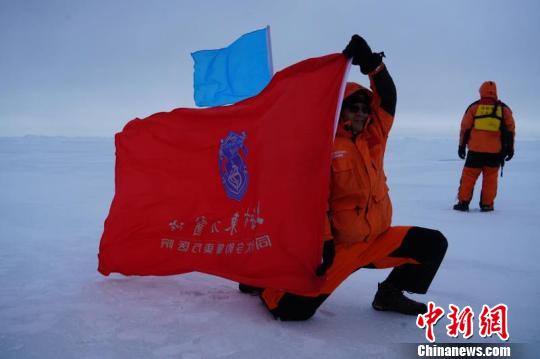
(391, 298)
(486, 207)
(462, 206)
(248, 289)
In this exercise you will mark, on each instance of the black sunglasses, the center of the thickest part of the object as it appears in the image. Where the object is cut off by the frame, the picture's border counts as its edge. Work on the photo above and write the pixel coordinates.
(357, 108)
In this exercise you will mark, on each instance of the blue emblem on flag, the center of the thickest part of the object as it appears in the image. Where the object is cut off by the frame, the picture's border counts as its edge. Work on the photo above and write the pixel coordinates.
(232, 165)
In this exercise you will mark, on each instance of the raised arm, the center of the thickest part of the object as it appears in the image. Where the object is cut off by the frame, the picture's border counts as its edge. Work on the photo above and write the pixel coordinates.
(381, 83)
(384, 89)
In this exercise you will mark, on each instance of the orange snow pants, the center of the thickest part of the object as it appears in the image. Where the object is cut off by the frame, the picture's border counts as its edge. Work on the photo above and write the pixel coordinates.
(489, 184)
(488, 165)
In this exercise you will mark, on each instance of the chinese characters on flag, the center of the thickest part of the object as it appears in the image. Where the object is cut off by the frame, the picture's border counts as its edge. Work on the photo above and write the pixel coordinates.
(235, 191)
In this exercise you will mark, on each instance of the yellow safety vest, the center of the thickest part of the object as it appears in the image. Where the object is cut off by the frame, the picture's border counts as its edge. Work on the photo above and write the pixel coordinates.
(488, 117)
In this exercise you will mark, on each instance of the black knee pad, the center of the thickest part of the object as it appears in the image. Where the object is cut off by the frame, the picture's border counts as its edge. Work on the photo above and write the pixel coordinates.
(423, 244)
(439, 242)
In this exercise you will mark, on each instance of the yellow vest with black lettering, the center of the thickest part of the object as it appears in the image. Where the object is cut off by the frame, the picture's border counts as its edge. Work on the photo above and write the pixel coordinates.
(488, 117)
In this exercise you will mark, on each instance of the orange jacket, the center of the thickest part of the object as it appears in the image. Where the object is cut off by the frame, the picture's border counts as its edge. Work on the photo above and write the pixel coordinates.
(482, 123)
(360, 208)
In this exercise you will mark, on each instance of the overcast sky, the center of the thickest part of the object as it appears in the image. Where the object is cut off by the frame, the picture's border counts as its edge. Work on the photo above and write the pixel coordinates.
(85, 68)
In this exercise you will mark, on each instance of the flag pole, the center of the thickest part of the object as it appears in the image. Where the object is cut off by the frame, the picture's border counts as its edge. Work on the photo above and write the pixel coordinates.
(341, 94)
(269, 48)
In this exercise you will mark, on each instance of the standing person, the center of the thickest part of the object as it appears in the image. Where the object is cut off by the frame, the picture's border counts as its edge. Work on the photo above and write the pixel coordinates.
(488, 130)
(358, 232)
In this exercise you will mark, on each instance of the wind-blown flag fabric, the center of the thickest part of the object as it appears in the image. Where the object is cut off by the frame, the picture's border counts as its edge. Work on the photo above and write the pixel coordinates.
(234, 73)
(237, 191)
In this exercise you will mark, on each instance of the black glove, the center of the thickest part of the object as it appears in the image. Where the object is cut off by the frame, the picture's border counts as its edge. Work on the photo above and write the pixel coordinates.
(329, 252)
(357, 49)
(461, 152)
(362, 55)
(508, 146)
(509, 154)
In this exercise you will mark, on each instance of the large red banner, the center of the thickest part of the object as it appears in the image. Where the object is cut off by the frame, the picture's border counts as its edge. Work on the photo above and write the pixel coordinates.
(236, 191)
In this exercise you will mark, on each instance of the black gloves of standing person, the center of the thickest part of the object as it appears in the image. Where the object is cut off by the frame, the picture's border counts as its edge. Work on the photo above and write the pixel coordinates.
(329, 252)
(461, 152)
(509, 147)
(509, 154)
(361, 54)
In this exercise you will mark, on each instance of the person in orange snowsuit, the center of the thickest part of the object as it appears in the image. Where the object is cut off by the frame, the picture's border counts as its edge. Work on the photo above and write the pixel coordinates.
(358, 231)
(488, 130)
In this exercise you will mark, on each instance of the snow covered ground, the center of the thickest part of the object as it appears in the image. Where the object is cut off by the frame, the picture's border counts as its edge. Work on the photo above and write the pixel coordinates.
(55, 194)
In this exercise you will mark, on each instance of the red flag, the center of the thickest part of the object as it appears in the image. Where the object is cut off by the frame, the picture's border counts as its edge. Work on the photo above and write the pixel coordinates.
(237, 191)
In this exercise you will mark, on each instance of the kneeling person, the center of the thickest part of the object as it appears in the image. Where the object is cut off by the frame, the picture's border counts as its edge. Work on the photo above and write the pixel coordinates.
(358, 231)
